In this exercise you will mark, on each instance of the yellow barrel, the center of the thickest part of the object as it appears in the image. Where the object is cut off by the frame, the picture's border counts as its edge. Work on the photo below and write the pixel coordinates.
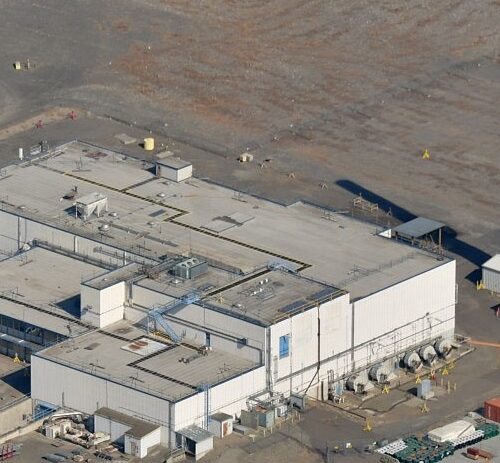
(149, 144)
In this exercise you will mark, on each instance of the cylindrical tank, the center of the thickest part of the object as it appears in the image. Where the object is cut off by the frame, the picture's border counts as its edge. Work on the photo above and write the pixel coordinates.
(380, 373)
(149, 144)
(357, 383)
(428, 354)
(412, 361)
(443, 347)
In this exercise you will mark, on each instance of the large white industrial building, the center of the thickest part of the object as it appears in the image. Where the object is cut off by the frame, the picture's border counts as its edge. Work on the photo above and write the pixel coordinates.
(171, 301)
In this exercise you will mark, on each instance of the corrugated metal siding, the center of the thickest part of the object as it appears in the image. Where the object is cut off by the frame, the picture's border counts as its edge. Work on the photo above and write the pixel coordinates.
(491, 280)
(114, 429)
(398, 314)
(63, 386)
(8, 232)
(229, 397)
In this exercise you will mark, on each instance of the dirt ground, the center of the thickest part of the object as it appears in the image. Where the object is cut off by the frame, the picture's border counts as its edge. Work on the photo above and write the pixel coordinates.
(344, 95)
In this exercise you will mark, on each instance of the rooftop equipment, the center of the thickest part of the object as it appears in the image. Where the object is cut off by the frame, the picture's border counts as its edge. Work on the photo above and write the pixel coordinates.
(380, 373)
(190, 268)
(491, 274)
(428, 354)
(412, 361)
(94, 203)
(443, 347)
(358, 383)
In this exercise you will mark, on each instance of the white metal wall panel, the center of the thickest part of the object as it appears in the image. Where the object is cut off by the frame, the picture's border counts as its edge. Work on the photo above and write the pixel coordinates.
(139, 447)
(420, 308)
(15, 231)
(491, 280)
(62, 385)
(114, 429)
(152, 439)
(185, 173)
(8, 232)
(302, 328)
(229, 397)
(146, 297)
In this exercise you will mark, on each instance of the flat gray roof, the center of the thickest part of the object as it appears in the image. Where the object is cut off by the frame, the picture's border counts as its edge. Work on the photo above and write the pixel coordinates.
(173, 162)
(11, 376)
(418, 227)
(195, 433)
(155, 218)
(221, 417)
(138, 427)
(273, 296)
(42, 287)
(108, 279)
(90, 198)
(174, 372)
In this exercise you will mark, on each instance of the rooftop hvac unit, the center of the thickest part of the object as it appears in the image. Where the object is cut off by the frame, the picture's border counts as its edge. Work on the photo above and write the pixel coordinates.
(412, 361)
(428, 354)
(443, 347)
(190, 268)
(358, 383)
(380, 373)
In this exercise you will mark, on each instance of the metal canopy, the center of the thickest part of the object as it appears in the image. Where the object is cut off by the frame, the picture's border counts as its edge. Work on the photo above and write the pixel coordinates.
(418, 227)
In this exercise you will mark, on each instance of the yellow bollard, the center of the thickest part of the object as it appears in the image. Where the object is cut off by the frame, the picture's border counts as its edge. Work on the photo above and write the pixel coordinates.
(445, 371)
(368, 426)
(16, 359)
(386, 389)
(418, 380)
(426, 154)
(424, 408)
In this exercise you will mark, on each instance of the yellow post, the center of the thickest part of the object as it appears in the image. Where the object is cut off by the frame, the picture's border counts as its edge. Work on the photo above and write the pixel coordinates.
(424, 408)
(418, 380)
(451, 365)
(445, 371)
(480, 285)
(426, 154)
(368, 426)
(386, 389)
(17, 359)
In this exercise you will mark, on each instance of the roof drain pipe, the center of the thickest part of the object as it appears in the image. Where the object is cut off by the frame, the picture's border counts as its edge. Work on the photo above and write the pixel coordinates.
(319, 354)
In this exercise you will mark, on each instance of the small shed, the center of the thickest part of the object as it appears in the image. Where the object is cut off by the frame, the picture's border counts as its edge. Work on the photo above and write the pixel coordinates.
(195, 440)
(221, 424)
(174, 169)
(94, 203)
(136, 436)
(491, 274)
